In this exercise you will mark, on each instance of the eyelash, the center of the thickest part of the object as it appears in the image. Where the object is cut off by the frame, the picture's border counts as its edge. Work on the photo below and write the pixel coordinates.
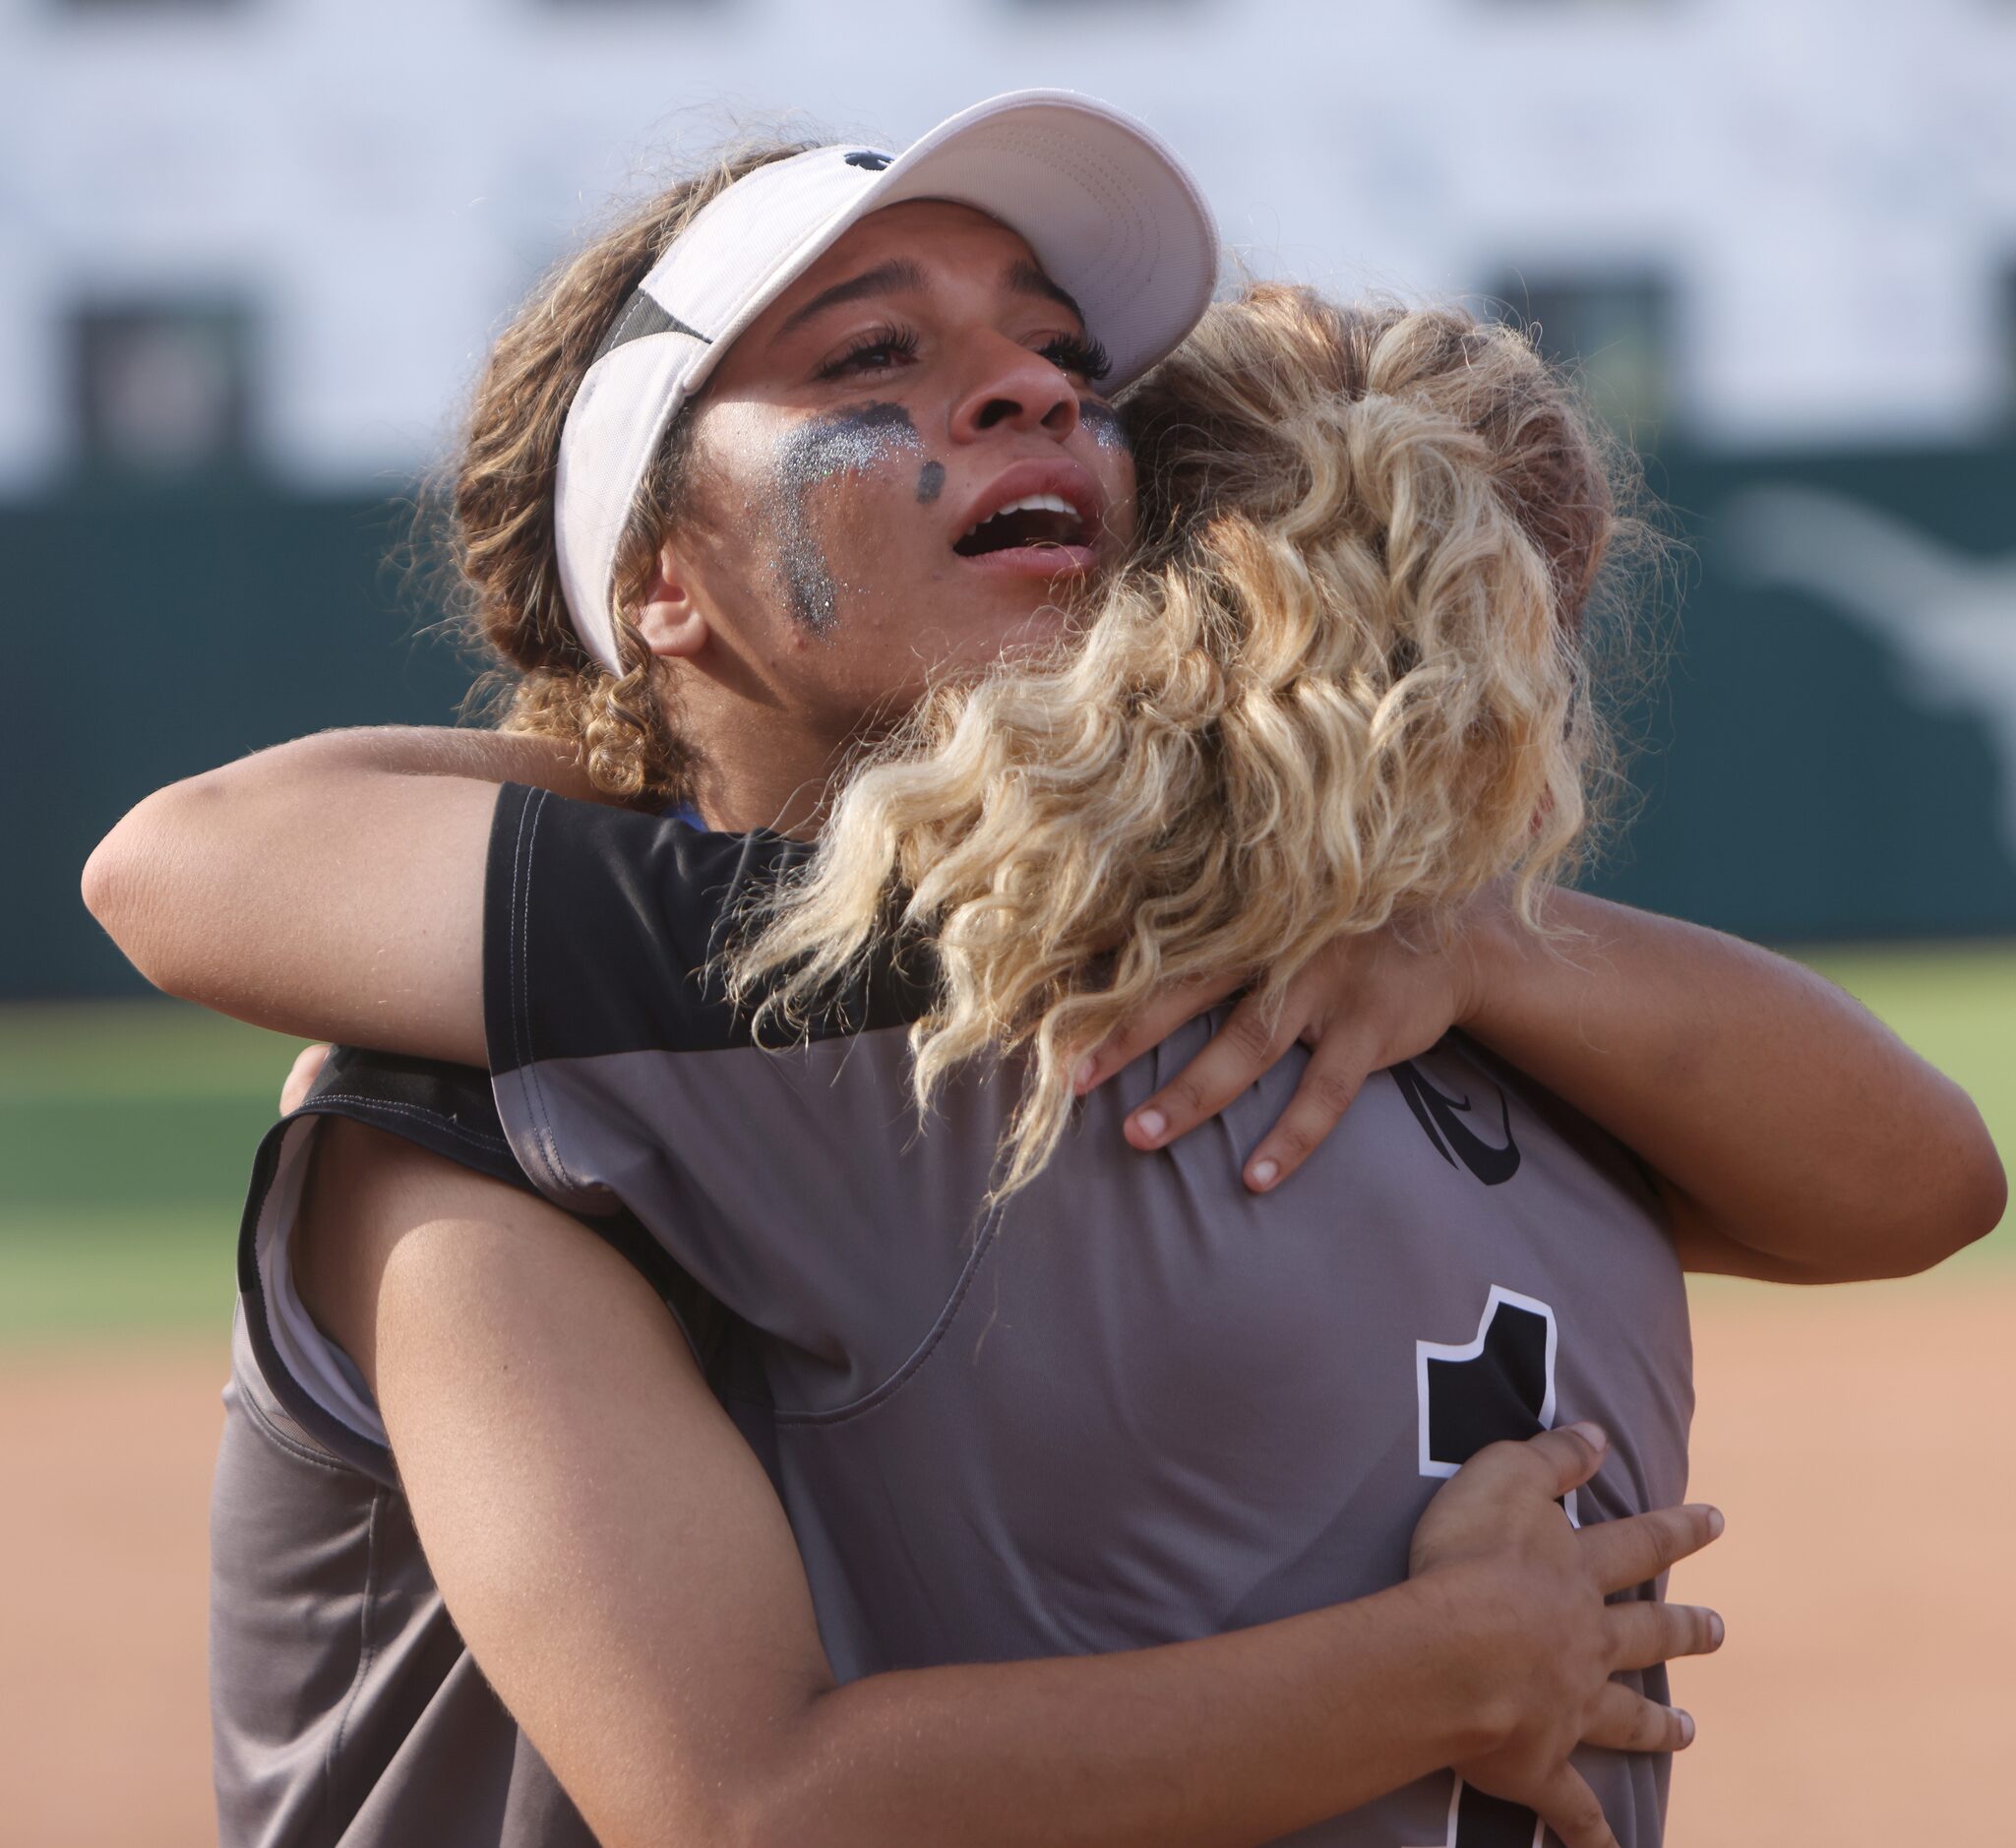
(1068, 352)
(895, 342)
(1079, 353)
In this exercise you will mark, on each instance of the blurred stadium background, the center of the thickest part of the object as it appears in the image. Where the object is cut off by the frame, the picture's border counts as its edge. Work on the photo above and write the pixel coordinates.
(251, 252)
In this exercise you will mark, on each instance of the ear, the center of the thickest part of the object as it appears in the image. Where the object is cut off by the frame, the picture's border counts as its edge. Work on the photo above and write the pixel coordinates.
(670, 620)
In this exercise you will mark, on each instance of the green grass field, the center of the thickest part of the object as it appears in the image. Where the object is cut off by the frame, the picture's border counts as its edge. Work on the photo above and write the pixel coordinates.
(126, 1137)
(127, 1128)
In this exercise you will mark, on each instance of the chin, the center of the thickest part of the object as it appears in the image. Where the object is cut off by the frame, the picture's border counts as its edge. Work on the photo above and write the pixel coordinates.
(1010, 635)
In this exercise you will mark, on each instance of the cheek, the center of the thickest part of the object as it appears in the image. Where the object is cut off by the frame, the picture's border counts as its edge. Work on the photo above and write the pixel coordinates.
(1106, 429)
(1123, 509)
(846, 485)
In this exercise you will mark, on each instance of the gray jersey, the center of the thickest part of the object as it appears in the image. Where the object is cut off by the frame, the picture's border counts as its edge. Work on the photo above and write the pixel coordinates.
(347, 1711)
(1140, 1405)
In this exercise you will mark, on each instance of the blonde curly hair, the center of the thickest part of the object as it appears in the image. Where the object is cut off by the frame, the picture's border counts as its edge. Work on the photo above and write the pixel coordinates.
(1340, 684)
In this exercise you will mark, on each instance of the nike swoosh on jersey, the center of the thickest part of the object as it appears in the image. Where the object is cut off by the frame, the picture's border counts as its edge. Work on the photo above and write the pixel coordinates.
(1438, 1113)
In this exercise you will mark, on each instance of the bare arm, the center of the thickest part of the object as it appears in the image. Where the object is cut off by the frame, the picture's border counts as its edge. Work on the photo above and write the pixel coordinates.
(1796, 1137)
(621, 1569)
(331, 888)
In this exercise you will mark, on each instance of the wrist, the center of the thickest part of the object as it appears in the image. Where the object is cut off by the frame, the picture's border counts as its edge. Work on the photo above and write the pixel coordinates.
(1462, 1618)
(1493, 943)
(472, 752)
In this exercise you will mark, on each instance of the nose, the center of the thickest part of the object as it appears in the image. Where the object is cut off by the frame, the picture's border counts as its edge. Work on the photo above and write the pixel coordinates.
(1019, 389)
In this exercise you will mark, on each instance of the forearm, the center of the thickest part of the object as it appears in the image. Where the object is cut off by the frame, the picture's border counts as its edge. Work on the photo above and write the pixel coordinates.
(320, 887)
(491, 757)
(1798, 1137)
(1233, 1739)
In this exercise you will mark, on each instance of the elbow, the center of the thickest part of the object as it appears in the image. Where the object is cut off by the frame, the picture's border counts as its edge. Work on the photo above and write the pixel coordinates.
(130, 885)
(115, 883)
(745, 1819)
(789, 1796)
(1983, 1185)
(115, 877)
(721, 1826)
(764, 1823)
(783, 1784)
(1966, 1204)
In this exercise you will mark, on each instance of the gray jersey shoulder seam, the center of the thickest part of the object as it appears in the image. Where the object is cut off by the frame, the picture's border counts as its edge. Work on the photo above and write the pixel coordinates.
(879, 1395)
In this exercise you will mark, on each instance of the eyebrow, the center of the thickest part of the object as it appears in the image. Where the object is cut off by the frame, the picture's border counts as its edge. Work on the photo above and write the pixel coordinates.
(1027, 279)
(900, 275)
(886, 278)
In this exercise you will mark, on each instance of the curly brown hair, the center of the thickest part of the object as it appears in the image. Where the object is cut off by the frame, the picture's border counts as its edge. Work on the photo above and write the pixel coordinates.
(500, 504)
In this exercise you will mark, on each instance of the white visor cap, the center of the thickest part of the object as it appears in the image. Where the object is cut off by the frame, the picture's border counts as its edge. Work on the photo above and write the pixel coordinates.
(1109, 214)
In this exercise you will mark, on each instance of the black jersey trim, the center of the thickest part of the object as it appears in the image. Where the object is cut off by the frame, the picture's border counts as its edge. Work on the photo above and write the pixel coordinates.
(602, 930)
(329, 1431)
(449, 1111)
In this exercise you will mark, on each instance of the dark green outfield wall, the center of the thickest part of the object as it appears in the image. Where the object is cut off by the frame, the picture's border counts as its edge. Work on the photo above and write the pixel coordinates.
(151, 638)
(1825, 757)
(1833, 750)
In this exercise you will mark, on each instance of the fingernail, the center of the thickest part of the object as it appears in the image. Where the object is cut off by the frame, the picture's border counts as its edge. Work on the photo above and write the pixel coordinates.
(1593, 1435)
(1686, 1721)
(1081, 1079)
(1715, 1523)
(1715, 1630)
(1266, 1172)
(1151, 1124)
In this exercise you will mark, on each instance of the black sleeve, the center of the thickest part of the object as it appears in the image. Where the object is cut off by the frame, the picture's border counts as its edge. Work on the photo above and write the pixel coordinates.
(601, 928)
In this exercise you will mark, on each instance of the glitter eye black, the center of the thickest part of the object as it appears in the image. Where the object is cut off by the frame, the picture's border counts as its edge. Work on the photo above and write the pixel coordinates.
(1079, 353)
(872, 352)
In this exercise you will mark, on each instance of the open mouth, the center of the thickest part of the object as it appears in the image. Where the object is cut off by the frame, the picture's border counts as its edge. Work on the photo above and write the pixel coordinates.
(1036, 519)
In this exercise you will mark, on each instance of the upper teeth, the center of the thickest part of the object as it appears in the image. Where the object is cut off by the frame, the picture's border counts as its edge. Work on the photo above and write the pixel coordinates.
(1028, 504)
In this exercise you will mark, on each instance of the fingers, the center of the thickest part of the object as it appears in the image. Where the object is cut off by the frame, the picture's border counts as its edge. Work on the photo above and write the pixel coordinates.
(1246, 1045)
(1169, 1010)
(1625, 1721)
(1568, 1807)
(1330, 1086)
(1568, 1456)
(1643, 1633)
(1627, 1553)
(301, 1078)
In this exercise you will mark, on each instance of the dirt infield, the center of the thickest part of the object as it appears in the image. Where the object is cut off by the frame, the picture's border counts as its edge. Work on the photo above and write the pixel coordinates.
(102, 1593)
(1859, 1441)
(1856, 1439)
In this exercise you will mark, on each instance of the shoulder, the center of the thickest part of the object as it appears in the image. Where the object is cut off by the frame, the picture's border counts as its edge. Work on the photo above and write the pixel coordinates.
(1586, 1140)
(369, 1192)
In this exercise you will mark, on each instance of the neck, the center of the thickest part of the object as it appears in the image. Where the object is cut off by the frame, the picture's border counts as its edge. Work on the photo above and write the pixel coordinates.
(758, 767)
(733, 804)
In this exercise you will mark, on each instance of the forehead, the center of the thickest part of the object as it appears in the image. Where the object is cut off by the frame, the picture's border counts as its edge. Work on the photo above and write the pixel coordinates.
(938, 235)
(955, 253)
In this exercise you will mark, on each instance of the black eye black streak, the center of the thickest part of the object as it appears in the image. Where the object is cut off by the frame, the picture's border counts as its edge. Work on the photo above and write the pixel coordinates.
(846, 442)
(1105, 423)
(930, 482)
